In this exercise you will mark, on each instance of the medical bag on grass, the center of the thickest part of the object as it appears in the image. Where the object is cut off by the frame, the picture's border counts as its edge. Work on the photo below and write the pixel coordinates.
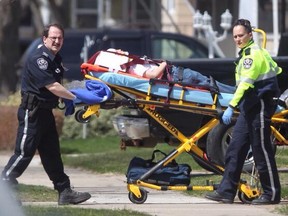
(171, 174)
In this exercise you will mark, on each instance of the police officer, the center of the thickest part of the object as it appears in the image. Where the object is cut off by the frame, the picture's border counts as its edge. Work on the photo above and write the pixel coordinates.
(256, 81)
(40, 90)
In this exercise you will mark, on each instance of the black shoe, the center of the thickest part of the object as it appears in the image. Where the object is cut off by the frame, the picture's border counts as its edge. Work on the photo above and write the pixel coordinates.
(262, 200)
(217, 197)
(69, 196)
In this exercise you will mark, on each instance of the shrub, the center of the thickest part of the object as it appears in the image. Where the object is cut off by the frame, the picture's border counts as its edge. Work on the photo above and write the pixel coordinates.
(8, 127)
(9, 122)
(98, 126)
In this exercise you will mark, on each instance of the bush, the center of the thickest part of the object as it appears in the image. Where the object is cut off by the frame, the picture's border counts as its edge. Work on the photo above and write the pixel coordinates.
(8, 127)
(98, 126)
(9, 122)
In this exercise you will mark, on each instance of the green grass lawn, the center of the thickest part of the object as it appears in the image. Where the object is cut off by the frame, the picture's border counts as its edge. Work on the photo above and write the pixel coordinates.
(104, 155)
(107, 157)
(31, 193)
(73, 211)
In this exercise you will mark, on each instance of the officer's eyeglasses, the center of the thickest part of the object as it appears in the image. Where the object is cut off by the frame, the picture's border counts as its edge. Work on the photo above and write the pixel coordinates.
(55, 38)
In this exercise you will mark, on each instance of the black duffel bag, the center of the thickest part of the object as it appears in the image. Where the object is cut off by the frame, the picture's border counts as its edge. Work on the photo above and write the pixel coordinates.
(171, 174)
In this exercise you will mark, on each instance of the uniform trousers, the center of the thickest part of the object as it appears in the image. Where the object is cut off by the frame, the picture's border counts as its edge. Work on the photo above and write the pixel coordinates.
(252, 129)
(37, 132)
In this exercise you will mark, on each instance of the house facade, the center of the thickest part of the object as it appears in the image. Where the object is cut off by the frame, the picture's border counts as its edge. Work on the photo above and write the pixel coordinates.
(175, 16)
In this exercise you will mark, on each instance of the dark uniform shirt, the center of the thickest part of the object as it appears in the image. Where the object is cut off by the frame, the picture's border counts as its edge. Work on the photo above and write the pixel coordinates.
(42, 68)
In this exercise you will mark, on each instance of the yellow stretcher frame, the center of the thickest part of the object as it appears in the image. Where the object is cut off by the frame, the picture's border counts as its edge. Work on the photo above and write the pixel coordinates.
(147, 103)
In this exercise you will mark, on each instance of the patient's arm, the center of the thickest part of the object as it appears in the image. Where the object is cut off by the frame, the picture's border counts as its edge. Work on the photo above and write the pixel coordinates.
(157, 72)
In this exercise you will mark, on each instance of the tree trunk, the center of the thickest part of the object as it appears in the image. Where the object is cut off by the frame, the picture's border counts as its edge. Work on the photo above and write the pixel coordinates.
(9, 45)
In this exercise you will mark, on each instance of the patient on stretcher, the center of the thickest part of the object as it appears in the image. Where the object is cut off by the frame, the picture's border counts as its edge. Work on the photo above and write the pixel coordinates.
(159, 69)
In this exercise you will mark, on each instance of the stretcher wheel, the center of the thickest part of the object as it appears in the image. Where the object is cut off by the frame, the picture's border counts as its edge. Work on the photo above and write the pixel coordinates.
(79, 116)
(242, 196)
(138, 200)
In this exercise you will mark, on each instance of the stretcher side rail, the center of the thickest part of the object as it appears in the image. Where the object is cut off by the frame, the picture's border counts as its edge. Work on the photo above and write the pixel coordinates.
(96, 71)
(213, 88)
(148, 98)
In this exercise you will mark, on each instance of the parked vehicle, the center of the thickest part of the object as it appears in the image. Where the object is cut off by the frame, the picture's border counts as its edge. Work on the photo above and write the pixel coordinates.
(154, 44)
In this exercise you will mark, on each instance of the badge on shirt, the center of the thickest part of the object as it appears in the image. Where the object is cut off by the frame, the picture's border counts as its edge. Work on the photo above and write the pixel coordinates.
(42, 63)
(247, 63)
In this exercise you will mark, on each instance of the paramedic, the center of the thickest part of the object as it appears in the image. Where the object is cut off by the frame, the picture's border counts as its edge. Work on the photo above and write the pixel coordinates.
(40, 90)
(177, 74)
(256, 81)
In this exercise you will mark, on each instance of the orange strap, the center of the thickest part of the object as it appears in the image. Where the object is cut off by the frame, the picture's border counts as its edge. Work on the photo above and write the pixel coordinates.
(93, 67)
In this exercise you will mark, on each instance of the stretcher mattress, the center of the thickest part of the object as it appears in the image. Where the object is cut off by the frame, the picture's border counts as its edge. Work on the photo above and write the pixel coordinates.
(162, 90)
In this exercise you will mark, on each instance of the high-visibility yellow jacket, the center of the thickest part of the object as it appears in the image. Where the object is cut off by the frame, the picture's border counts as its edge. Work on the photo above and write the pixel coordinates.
(256, 72)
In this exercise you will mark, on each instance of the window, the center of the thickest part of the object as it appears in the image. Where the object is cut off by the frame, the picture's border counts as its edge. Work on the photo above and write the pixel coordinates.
(87, 4)
(173, 49)
(132, 45)
(170, 5)
(84, 13)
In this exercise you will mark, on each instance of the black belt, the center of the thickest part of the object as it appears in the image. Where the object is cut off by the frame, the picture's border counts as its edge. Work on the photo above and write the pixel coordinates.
(33, 103)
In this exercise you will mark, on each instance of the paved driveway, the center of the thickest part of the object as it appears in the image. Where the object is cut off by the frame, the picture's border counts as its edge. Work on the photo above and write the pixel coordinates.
(110, 191)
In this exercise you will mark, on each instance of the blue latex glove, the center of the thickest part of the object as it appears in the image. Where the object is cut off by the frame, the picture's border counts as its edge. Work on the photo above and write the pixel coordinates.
(70, 105)
(227, 116)
(76, 101)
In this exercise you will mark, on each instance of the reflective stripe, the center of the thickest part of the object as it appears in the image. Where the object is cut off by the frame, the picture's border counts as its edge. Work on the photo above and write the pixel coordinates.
(245, 79)
(270, 74)
(19, 158)
(262, 141)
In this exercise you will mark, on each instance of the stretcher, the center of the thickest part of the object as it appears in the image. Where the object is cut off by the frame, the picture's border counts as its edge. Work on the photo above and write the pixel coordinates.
(152, 96)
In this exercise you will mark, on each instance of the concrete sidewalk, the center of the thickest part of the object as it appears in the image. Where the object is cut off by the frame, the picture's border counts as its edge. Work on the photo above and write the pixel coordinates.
(109, 191)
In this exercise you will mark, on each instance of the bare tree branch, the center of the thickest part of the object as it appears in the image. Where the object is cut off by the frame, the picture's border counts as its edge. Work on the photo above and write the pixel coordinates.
(37, 19)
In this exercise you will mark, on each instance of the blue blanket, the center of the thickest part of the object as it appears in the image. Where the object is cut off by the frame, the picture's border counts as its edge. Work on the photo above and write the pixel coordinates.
(94, 92)
(142, 85)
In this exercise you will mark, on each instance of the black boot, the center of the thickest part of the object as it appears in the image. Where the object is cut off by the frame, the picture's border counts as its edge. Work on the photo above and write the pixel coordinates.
(215, 196)
(262, 200)
(69, 196)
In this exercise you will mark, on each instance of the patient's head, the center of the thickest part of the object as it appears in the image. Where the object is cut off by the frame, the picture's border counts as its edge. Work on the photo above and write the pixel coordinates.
(118, 51)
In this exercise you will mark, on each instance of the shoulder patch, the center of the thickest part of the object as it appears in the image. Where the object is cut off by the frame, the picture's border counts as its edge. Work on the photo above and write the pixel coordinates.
(247, 63)
(42, 63)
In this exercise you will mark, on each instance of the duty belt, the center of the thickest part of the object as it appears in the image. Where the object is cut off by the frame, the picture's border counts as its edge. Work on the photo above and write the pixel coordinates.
(33, 103)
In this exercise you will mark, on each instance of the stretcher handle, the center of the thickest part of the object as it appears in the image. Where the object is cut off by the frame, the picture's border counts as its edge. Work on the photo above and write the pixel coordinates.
(263, 35)
(98, 68)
